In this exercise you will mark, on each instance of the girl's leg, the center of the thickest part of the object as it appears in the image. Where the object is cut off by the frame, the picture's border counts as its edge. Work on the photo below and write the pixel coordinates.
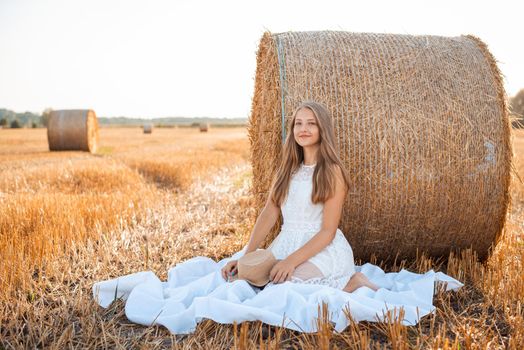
(359, 280)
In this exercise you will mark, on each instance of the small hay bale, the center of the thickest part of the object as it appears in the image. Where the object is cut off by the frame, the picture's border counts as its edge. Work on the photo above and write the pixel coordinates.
(148, 128)
(73, 130)
(422, 127)
(204, 127)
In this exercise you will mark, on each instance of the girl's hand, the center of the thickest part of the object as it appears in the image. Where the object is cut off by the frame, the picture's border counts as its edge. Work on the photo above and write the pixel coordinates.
(230, 269)
(282, 271)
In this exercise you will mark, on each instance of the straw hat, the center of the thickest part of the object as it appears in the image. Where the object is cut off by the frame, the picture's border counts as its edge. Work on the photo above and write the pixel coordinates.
(254, 267)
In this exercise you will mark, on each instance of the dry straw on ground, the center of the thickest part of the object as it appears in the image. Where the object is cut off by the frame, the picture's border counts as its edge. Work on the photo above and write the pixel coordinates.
(50, 200)
(73, 130)
(212, 217)
(422, 126)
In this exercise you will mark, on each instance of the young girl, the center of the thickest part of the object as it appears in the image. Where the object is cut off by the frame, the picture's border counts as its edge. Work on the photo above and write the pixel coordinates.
(309, 188)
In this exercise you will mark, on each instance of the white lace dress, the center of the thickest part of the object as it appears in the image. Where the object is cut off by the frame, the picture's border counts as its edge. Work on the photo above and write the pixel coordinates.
(302, 220)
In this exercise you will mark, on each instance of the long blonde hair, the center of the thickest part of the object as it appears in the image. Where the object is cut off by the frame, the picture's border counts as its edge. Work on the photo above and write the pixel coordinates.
(324, 175)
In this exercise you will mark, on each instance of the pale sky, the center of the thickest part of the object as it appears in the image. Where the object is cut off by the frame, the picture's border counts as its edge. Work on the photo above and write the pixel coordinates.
(198, 58)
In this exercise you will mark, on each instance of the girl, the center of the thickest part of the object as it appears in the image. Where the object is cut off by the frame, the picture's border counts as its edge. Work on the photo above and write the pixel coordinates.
(309, 188)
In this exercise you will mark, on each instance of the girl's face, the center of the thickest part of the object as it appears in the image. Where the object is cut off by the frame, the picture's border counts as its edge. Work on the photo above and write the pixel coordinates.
(305, 129)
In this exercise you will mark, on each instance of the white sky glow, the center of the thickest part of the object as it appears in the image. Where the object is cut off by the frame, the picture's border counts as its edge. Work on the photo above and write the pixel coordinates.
(197, 58)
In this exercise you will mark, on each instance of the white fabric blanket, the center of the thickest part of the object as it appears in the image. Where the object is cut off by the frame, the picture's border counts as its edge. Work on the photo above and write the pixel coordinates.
(196, 290)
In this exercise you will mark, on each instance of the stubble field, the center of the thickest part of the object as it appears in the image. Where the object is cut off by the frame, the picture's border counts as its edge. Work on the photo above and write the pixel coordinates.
(147, 202)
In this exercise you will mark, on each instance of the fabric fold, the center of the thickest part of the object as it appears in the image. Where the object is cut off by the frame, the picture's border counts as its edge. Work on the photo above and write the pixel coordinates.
(195, 290)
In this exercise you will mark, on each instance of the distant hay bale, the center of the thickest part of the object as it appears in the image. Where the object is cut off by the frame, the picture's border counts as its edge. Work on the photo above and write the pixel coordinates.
(148, 128)
(72, 130)
(204, 127)
(422, 126)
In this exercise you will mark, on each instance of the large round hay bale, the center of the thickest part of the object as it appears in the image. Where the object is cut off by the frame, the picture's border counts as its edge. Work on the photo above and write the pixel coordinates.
(72, 130)
(422, 127)
(148, 128)
(204, 127)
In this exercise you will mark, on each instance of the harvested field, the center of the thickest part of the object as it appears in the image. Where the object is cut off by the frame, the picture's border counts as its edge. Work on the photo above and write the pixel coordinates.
(146, 202)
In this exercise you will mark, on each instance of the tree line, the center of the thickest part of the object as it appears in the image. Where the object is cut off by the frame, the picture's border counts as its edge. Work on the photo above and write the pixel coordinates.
(10, 119)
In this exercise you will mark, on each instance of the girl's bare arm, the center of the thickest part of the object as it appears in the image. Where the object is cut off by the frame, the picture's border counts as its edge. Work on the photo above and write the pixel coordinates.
(265, 221)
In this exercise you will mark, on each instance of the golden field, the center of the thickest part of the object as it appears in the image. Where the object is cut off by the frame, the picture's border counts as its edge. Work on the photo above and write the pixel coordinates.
(149, 201)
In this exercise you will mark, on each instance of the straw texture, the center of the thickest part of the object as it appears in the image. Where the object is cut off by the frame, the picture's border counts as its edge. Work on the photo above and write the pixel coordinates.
(72, 130)
(422, 127)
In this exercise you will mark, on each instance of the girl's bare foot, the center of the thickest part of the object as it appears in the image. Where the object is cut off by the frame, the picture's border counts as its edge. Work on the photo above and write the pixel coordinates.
(359, 280)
